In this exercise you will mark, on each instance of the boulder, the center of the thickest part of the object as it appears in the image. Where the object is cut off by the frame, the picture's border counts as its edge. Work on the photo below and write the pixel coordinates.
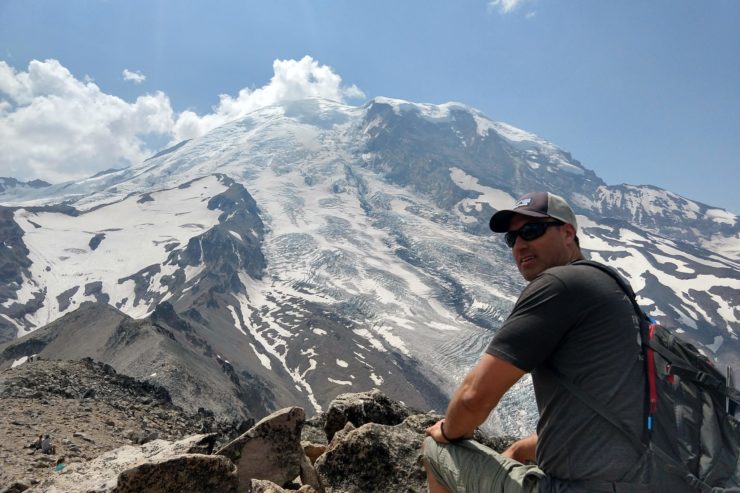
(170, 466)
(374, 458)
(16, 487)
(313, 429)
(195, 473)
(264, 486)
(361, 408)
(271, 450)
(313, 450)
(309, 476)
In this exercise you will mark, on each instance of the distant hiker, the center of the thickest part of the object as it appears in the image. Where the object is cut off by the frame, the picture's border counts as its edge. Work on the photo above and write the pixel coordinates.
(36, 444)
(573, 320)
(46, 446)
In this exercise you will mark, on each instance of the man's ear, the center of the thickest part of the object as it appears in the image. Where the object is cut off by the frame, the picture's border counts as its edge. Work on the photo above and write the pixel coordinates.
(570, 232)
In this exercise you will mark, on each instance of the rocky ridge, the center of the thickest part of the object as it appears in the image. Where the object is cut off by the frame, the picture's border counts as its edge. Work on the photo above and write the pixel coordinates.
(116, 434)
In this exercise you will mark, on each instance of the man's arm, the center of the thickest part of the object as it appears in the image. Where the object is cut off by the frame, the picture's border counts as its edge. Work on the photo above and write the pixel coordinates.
(476, 397)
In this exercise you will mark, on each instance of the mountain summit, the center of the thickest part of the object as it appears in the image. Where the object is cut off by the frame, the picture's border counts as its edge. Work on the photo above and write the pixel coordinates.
(315, 248)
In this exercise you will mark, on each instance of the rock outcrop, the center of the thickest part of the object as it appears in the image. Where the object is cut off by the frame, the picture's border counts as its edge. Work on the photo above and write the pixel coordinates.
(365, 443)
(271, 450)
(361, 408)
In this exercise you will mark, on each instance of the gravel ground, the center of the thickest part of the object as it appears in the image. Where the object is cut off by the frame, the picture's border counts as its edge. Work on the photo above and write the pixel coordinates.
(87, 409)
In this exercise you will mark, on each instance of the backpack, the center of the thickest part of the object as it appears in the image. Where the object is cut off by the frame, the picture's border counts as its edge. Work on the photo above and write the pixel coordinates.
(691, 437)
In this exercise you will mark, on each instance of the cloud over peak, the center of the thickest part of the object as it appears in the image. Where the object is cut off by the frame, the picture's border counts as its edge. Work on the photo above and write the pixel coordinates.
(291, 80)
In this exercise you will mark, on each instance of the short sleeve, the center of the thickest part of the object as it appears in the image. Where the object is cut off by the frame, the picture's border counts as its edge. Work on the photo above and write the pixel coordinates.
(541, 317)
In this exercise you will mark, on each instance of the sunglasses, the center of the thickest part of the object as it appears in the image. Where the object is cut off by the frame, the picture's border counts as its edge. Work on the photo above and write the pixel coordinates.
(529, 232)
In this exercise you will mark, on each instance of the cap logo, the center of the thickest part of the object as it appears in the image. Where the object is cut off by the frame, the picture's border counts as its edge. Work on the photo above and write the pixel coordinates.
(522, 203)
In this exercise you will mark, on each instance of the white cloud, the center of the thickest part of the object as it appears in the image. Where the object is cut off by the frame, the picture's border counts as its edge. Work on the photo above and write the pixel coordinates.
(291, 80)
(133, 76)
(504, 6)
(56, 127)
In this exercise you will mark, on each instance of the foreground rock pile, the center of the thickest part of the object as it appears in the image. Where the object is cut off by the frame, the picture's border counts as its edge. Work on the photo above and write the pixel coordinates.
(87, 409)
(365, 443)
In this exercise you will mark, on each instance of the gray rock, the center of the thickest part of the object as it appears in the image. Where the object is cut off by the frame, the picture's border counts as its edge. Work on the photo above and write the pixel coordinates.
(420, 422)
(271, 450)
(309, 476)
(361, 408)
(347, 428)
(313, 450)
(16, 487)
(374, 459)
(313, 429)
(172, 463)
(141, 437)
(78, 434)
(194, 473)
(264, 486)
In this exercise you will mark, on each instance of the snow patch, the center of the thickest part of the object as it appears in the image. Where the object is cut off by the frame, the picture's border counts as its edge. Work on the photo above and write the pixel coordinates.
(498, 199)
(19, 361)
(263, 359)
(340, 382)
(714, 347)
(721, 216)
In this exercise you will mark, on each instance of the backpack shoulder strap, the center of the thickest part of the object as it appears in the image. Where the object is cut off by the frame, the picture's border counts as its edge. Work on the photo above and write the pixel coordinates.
(619, 279)
(677, 363)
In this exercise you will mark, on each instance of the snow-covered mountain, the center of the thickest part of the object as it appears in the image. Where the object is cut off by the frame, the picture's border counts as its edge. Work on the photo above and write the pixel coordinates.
(321, 248)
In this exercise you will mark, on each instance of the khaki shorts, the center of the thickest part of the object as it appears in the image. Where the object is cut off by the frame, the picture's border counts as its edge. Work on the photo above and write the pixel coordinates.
(469, 467)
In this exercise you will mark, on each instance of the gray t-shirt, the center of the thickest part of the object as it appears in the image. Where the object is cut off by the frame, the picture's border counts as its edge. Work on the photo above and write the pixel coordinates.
(578, 320)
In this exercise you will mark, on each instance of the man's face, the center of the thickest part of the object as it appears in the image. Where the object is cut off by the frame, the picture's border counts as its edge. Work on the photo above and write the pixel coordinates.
(549, 250)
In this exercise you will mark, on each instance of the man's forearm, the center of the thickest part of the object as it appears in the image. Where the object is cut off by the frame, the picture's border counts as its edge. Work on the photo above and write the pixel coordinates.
(466, 412)
(478, 395)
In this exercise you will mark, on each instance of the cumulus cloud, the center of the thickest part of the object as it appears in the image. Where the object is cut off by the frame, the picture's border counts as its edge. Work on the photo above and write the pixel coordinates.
(291, 80)
(56, 127)
(504, 6)
(134, 76)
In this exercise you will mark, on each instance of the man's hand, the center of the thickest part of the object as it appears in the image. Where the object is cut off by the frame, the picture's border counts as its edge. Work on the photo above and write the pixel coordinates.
(522, 450)
(435, 431)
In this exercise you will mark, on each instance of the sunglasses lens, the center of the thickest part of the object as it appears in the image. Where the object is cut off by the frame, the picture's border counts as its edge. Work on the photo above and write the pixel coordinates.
(510, 238)
(532, 231)
(528, 232)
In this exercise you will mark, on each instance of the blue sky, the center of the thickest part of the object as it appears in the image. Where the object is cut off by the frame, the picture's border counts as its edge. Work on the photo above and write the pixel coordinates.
(640, 92)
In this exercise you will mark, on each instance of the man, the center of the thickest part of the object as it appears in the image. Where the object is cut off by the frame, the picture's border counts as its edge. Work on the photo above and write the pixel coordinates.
(571, 319)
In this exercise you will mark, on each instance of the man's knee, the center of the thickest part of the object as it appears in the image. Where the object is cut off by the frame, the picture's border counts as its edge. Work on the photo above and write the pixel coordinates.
(429, 454)
(429, 449)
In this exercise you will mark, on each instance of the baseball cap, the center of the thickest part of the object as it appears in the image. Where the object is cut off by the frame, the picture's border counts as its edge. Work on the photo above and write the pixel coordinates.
(535, 204)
